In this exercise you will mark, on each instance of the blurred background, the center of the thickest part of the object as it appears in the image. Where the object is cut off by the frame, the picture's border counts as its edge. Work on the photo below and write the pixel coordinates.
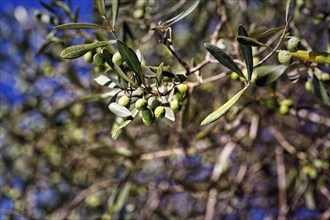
(58, 159)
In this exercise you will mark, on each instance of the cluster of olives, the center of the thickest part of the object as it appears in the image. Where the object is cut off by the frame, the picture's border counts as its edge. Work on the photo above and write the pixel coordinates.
(284, 106)
(138, 13)
(155, 109)
(284, 56)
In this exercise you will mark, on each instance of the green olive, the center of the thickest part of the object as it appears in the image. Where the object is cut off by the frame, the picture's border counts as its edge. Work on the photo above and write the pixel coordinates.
(234, 76)
(325, 77)
(147, 116)
(285, 57)
(88, 57)
(283, 110)
(123, 101)
(292, 44)
(182, 88)
(98, 59)
(175, 105)
(154, 104)
(271, 103)
(138, 13)
(308, 86)
(287, 102)
(159, 112)
(141, 104)
(117, 59)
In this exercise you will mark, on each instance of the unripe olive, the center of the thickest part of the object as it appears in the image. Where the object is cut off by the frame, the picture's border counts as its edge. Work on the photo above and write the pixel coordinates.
(141, 104)
(293, 44)
(308, 86)
(159, 112)
(98, 59)
(123, 101)
(147, 116)
(182, 88)
(175, 105)
(287, 102)
(271, 103)
(234, 76)
(88, 57)
(325, 77)
(154, 104)
(256, 60)
(117, 59)
(285, 57)
(283, 110)
(138, 13)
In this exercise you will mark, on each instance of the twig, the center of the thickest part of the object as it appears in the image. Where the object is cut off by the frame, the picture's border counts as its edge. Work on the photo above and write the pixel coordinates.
(280, 167)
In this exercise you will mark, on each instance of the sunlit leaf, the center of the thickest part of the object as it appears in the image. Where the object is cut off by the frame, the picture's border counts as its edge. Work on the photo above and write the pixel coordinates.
(79, 50)
(119, 110)
(102, 80)
(71, 26)
(100, 6)
(312, 56)
(246, 51)
(268, 74)
(223, 109)
(115, 9)
(169, 113)
(181, 15)
(318, 89)
(224, 59)
(131, 59)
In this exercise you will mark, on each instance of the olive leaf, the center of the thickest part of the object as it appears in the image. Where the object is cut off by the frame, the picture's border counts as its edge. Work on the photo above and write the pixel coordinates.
(287, 9)
(131, 59)
(312, 56)
(100, 6)
(102, 80)
(318, 89)
(224, 59)
(246, 51)
(115, 9)
(266, 33)
(169, 113)
(70, 26)
(117, 128)
(268, 74)
(119, 110)
(79, 50)
(159, 75)
(182, 15)
(248, 41)
(223, 109)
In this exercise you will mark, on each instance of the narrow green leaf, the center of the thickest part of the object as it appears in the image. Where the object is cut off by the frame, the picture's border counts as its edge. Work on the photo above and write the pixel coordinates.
(71, 26)
(246, 51)
(287, 9)
(79, 50)
(100, 6)
(122, 74)
(267, 32)
(223, 58)
(119, 110)
(223, 109)
(159, 75)
(182, 14)
(102, 80)
(117, 129)
(248, 41)
(268, 74)
(131, 59)
(318, 89)
(115, 9)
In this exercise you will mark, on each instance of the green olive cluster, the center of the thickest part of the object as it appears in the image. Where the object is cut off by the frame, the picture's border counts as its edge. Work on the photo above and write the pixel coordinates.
(285, 56)
(97, 58)
(284, 106)
(179, 95)
(150, 112)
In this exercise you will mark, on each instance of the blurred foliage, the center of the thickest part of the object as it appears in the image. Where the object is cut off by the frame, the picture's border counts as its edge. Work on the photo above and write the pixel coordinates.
(58, 159)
